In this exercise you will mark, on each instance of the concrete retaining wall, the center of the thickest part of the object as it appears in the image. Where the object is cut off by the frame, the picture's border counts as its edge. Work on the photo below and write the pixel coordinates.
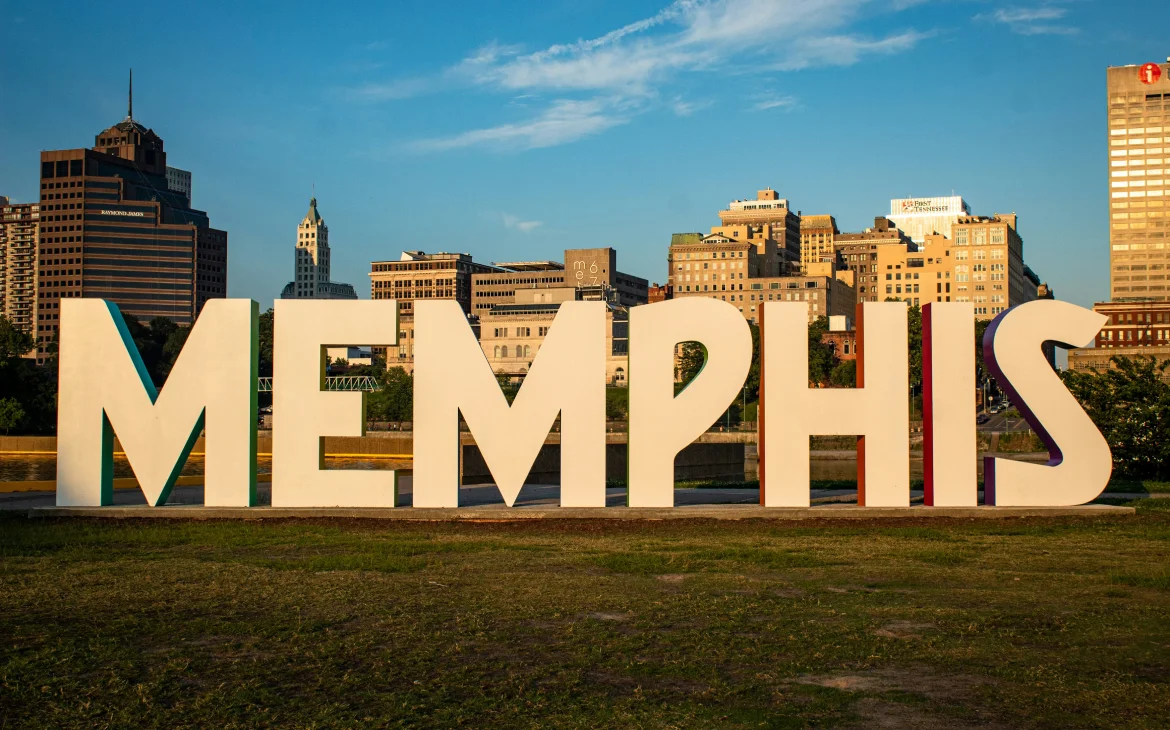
(723, 461)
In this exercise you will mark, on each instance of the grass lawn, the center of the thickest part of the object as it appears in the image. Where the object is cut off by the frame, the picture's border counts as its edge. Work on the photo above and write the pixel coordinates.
(332, 623)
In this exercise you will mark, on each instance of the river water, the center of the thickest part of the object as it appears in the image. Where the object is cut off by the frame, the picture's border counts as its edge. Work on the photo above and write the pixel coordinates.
(25, 467)
(16, 468)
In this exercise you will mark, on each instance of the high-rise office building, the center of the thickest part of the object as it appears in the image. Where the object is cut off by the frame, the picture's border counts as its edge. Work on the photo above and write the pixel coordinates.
(111, 227)
(1138, 149)
(311, 278)
(19, 234)
(922, 217)
(180, 182)
(1139, 180)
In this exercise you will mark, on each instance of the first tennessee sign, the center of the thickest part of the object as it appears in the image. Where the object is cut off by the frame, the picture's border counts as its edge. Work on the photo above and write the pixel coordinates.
(104, 390)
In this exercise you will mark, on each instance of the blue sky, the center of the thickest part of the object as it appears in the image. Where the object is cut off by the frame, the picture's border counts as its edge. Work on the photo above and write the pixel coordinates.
(515, 130)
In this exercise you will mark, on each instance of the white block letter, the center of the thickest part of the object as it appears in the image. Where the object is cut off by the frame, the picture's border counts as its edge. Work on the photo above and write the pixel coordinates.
(661, 423)
(948, 405)
(1079, 462)
(877, 409)
(303, 413)
(104, 389)
(452, 376)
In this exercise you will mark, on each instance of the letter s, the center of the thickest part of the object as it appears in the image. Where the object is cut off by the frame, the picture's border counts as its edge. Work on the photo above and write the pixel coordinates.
(1079, 462)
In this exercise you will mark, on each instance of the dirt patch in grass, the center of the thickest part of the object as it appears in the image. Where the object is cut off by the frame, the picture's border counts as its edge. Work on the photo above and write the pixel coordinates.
(904, 630)
(916, 697)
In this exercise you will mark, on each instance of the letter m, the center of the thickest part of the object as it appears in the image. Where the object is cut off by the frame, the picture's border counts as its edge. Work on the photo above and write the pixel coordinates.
(105, 390)
(453, 378)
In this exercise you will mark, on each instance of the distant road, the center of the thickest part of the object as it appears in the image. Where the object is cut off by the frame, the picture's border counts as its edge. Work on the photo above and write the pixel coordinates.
(999, 422)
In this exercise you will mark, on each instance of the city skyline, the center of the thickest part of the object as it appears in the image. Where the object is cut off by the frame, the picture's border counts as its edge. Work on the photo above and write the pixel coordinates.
(510, 138)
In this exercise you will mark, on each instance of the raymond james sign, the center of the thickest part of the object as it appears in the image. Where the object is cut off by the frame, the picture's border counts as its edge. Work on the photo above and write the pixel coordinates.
(104, 390)
(131, 213)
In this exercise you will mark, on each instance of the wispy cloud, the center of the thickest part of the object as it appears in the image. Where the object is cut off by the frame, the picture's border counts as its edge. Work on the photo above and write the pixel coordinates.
(595, 84)
(513, 223)
(775, 102)
(845, 50)
(1031, 21)
(390, 90)
(685, 108)
(565, 121)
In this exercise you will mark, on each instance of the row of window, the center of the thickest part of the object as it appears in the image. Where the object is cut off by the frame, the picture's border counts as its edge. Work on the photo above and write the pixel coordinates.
(979, 254)
(419, 266)
(705, 255)
(1136, 153)
(501, 351)
(1136, 162)
(1155, 193)
(1130, 336)
(978, 236)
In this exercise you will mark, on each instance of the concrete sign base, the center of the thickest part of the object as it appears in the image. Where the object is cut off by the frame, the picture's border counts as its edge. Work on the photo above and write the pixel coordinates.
(501, 513)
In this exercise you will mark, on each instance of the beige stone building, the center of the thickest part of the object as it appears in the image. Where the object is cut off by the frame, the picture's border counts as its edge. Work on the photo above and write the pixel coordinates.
(499, 286)
(866, 255)
(817, 236)
(586, 268)
(419, 275)
(982, 264)
(711, 263)
(753, 257)
(311, 262)
(827, 296)
(19, 238)
(770, 225)
(1139, 180)
(511, 334)
(988, 261)
(731, 270)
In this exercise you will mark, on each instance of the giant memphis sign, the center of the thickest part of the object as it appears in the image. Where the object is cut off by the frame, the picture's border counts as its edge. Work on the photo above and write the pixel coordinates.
(105, 390)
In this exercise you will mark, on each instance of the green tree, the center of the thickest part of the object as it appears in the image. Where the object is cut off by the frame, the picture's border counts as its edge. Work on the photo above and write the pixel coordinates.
(617, 403)
(24, 386)
(1130, 405)
(13, 342)
(11, 414)
(822, 356)
(394, 401)
(914, 345)
(172, 346)
(844, 375)
(266, 337)
(159, 344)
(690, 362)
(753, 377)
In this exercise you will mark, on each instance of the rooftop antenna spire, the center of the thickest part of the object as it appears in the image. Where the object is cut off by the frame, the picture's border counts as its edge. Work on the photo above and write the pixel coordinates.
(130, 98)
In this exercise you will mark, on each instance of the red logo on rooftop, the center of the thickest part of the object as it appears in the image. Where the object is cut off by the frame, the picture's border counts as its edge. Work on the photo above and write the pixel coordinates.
(1150, 73)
